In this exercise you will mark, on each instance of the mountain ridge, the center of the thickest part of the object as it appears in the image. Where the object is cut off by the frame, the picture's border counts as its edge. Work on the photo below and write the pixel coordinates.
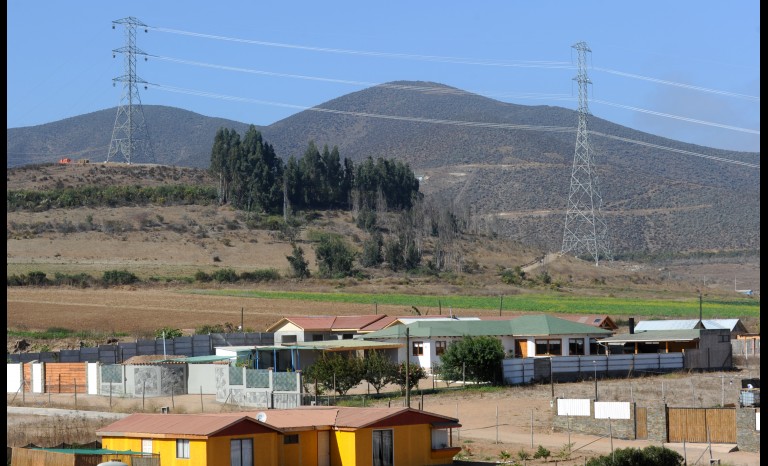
(504, 162)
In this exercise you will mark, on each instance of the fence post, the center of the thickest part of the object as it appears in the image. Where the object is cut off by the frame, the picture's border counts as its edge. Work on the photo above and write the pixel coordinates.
(75, 393)
(143, 392)
(201, 399)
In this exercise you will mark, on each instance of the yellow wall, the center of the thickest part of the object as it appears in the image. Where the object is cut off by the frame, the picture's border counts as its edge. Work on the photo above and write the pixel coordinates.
(299, 454)
(213, 452)
(412, 445)
(344, 449)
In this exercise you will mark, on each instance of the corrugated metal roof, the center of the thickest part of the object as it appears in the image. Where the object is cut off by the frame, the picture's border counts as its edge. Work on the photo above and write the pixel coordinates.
(654, 335)
(192, 425)
(341, 345)
(329, 323)
(666, 324)
(531, 325)
(306, 417)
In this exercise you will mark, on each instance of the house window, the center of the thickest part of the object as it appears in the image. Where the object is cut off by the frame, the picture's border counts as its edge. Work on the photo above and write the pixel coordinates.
(549, 347)
(289, 339)
(594, 348)
(146, 445)
(440, 439)
(383, 448)
(317, 338)
(418, 348)
(440, 347)
(241, 452)
(348, 336)
(576, 346)
(182, 448)
(290, 439)
(725, 338)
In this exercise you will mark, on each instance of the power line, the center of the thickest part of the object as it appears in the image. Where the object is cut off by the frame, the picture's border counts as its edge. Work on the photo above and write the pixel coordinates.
(446, 90)
(560, 129)
(546, 64)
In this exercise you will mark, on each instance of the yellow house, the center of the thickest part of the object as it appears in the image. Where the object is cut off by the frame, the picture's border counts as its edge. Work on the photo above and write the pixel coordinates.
(196, 439)
(345, 436)
(311, 436)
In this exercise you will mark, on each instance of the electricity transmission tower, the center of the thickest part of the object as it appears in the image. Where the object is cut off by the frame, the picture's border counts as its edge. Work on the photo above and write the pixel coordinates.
(130, 137)
(585, 230)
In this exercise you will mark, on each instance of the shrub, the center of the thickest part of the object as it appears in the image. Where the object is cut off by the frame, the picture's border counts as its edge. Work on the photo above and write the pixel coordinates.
(542, 453)
(118, 277)
(225, 276)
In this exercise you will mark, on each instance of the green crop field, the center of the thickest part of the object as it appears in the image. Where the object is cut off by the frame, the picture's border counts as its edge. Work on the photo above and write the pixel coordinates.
(551, 303)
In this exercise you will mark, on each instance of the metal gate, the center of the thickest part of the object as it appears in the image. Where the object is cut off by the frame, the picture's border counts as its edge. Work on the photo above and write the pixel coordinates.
(641, 423)
(693, 425)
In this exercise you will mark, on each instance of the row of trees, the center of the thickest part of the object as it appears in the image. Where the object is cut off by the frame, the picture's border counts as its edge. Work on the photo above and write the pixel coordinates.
(252, 177)
(476, 359)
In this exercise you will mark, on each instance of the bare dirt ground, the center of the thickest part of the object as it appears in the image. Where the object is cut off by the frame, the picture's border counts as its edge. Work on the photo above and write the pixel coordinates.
(483, 438)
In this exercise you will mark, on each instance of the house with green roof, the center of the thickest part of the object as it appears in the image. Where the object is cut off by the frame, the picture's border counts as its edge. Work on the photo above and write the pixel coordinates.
(522, 337)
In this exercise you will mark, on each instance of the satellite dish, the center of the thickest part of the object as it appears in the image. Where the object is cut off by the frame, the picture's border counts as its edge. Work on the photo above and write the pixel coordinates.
(261, 416)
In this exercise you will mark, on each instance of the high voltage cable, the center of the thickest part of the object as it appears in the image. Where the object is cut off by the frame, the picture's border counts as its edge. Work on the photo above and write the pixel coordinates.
(433, 58)
(444, 90)
(677, 117)
(558, 129)
(672, 83)
(457, 60)
(430, 89)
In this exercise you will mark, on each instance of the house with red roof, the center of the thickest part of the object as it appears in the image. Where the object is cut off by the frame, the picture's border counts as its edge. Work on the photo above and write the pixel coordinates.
(312, 436)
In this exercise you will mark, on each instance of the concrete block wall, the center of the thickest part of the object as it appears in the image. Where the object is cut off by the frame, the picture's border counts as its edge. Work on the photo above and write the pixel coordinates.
(747, 436)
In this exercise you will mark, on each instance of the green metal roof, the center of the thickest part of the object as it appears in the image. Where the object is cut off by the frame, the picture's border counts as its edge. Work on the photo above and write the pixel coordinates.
(544, 324)
(534, 325)
(331, 345)
(654, 335)
(198, 359)
(92, 451)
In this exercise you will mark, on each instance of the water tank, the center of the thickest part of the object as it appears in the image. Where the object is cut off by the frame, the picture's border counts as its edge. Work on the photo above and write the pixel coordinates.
(112, 463)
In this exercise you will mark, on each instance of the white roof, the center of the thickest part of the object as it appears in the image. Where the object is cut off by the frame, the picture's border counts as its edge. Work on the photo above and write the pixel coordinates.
(646, 325)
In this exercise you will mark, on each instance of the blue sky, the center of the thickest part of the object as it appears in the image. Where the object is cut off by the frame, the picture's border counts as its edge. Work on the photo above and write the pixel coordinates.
(687, 70)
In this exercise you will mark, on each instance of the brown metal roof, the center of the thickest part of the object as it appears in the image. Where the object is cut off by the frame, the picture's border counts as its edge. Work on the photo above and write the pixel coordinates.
(179, 425)
(328, 323)
(318, 417)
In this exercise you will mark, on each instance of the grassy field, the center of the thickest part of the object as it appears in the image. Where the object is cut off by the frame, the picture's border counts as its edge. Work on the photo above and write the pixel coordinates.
(550, 303)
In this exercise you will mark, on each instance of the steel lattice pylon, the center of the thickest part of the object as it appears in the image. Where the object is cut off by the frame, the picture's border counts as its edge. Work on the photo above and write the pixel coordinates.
(130, 137)
(585, 230)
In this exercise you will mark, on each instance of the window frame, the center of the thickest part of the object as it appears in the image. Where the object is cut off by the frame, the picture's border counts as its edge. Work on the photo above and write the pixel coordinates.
(572, 342)
(549, 344)
(417, 345)
(182, 448)
(290, 439)
(440, 347)
(242, 460)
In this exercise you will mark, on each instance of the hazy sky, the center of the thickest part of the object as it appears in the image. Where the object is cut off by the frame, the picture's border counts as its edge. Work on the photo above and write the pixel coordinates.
(686, 70)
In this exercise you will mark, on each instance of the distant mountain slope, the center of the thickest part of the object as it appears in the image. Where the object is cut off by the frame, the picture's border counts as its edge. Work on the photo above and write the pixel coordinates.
(179, 137)
(517, 179)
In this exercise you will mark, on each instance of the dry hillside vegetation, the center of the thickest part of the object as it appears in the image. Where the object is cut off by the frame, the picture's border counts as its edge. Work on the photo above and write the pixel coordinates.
(165, 246)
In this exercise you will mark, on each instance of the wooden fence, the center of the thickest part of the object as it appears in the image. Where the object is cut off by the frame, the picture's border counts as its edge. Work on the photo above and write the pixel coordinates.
(701, 425)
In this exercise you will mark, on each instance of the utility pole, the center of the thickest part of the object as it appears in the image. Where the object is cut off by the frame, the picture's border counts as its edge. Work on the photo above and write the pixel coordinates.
(407, 367)
(130, 137)
(585, 230)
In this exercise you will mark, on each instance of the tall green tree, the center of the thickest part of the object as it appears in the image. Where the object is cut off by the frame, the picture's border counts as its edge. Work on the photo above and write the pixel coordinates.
(480, 357)
(378, 369)
(299, 265)
(336, 372)
(415, 374)
(334, 257)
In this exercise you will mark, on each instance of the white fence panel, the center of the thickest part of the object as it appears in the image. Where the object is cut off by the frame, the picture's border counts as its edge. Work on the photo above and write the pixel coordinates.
(38, 377)
(573, 407)
(612, 410)
(92, 378)
(757, 422)
(13, 377)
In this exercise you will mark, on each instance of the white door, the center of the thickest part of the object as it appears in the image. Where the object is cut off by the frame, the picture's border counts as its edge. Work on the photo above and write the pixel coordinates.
(323, 448)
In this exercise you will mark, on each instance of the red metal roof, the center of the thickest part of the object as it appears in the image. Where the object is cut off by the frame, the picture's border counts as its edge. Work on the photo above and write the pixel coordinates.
(328, 323)
(179, 425)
